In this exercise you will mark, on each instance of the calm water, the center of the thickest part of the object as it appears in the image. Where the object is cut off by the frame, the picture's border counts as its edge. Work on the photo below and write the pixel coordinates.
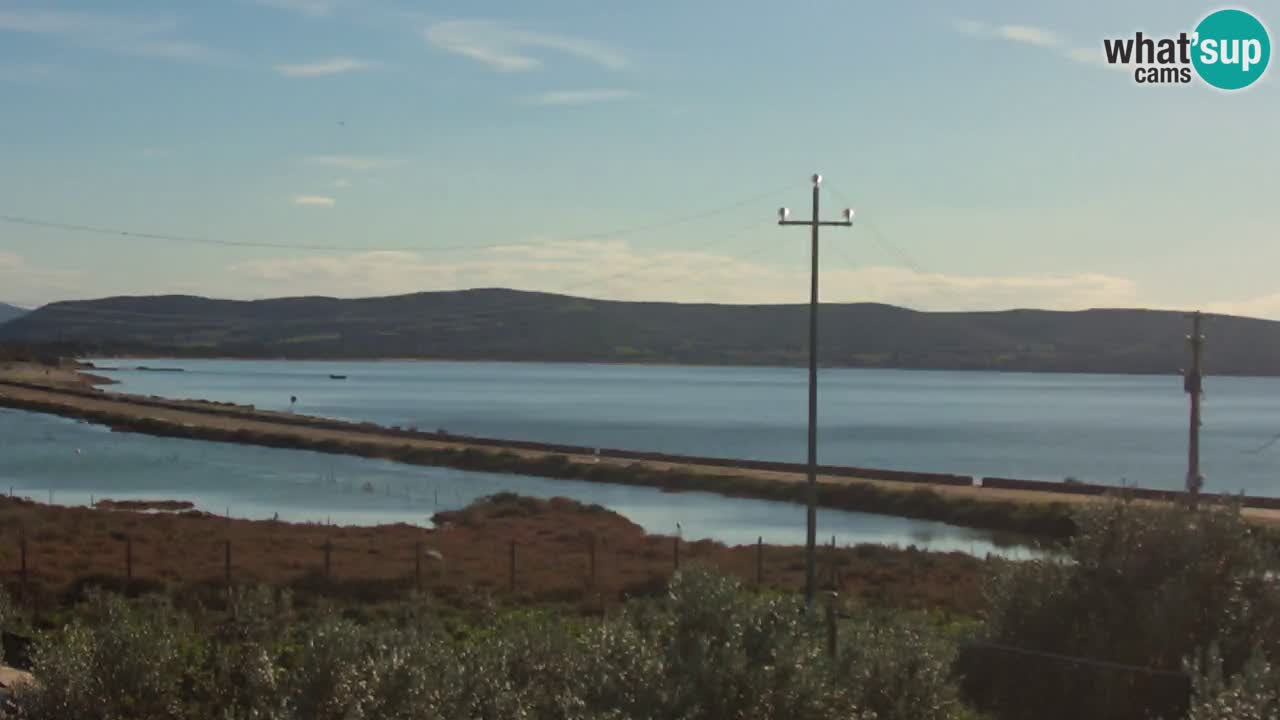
(1100, 428)
(77, 461)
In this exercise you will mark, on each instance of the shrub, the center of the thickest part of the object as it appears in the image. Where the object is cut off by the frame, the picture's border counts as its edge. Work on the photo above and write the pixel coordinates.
(122, 661)
(1252, 694)
(1143, 586)
(704, 650)
(900, 670)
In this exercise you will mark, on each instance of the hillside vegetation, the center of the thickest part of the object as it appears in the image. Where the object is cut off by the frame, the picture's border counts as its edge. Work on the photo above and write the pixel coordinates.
(523, 326)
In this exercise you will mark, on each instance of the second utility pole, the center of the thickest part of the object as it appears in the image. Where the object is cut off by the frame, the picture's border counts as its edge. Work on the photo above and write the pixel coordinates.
(811, 528)
(1194, 385)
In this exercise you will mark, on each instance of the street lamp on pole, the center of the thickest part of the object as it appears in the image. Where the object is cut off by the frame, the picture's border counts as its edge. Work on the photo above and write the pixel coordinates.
(811, 528)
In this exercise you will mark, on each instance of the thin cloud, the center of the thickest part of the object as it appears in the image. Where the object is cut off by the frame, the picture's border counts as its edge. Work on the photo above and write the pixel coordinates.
(1035, 36)
(27, 73)
(314, 200)
(672, 275)
(342, 183)
(310, 8)
(31, 285)
(320, 68)
(1029, 35)
(1025, 34)
(144, 37)
(509, 49)
(579, 97)
(355, 163)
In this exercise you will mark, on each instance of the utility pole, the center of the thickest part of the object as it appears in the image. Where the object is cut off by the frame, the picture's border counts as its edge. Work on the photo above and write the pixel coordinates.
(1194, 386)
(811, 536)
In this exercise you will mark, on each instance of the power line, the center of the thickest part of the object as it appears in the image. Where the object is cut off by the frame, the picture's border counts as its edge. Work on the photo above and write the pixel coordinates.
(883, 241)
(199, 240)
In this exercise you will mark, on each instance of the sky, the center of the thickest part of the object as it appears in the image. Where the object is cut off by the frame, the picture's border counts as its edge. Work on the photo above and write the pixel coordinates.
(629, 150)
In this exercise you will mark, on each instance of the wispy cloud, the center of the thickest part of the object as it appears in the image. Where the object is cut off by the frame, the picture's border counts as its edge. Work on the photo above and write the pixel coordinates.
(1029, 35)
(27, 73)
(314, 200)
(510, 49)
(355, 163)
(686, 276)
(138, 36)
(579, 97)
(1035, 36)
(342, 183)
(30, 285)
(320, 68)
(311, 8)
(1026, 34)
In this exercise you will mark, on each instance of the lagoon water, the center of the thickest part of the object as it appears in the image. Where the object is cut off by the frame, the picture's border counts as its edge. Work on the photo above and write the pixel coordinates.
(1097, 428)
(68, 462)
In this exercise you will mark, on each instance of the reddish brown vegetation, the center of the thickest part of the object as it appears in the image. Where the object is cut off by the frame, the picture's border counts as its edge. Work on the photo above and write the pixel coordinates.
(169, 505)
(466, 561)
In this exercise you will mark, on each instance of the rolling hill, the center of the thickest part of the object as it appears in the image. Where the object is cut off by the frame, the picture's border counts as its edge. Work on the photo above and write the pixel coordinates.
(9, 312)
(495, 324)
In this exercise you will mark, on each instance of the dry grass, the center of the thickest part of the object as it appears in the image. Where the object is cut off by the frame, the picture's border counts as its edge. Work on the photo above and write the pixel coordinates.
(71, 548)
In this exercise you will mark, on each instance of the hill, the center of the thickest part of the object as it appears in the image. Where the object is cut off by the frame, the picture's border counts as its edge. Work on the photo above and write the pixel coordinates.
(494, 324)
(9, 312)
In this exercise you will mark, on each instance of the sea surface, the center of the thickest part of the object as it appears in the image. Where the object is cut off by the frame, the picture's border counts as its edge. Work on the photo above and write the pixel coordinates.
(1097, 428)
(68, 462)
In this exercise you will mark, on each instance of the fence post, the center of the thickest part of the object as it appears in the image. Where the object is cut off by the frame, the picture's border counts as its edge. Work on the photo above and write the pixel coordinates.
(512, 579)
(676, 552)
(128, 563)
(22, 571)
(759, 560)
(591, 549)
(831, 625)
(417, 566)
(328, 550)
(226, 565)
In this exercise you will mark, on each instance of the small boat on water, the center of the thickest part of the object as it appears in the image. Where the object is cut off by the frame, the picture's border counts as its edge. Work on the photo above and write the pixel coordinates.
(337, 377)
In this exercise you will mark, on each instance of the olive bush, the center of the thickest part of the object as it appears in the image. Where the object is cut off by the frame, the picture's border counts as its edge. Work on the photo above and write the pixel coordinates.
(706, 650)
(120, 661)
(1142, 586)
(1251, 694)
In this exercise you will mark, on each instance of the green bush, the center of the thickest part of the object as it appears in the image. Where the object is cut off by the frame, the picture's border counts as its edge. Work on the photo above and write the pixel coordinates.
(121, 661)
(1142, 586)
(705, 650)
(1251, 694)
(900, 670)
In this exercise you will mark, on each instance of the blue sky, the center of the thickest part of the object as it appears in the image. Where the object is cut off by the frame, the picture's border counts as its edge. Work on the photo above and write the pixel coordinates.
(993, 160)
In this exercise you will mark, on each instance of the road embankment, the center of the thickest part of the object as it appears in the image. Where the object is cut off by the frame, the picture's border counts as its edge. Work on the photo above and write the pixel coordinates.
(952, 499)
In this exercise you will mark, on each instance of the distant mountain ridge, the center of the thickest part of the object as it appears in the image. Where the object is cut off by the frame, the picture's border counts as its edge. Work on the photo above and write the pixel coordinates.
(497, 324)
(9, 312)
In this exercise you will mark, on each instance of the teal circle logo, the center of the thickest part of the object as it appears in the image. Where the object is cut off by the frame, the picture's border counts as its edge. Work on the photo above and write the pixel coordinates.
(1232, 49)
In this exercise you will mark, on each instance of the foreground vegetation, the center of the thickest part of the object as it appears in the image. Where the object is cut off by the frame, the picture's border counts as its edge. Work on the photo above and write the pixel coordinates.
(1153, 612)
(706, 650)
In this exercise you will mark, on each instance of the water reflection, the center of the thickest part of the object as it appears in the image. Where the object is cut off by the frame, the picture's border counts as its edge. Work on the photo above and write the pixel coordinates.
(72, 463)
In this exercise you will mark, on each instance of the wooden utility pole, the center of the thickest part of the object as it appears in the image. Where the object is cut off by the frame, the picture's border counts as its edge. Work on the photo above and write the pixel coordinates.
(811, 529)
(1193, 384)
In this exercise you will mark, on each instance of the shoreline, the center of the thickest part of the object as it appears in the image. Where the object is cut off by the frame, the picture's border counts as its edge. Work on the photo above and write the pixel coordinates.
(652, 363)
(1003, 506)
